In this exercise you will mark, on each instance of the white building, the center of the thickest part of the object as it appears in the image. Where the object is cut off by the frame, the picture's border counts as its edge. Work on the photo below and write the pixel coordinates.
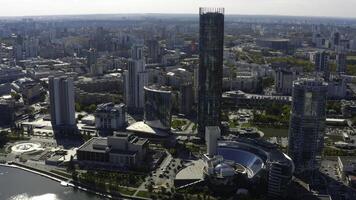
(212, 134)
(61, 91)
(135, 79)
(284, 78)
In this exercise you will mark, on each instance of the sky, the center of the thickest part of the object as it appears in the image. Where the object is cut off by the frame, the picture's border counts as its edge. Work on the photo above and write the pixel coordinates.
(330, 8)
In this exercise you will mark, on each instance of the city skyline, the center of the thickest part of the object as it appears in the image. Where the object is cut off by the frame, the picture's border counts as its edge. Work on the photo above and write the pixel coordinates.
(253, 7)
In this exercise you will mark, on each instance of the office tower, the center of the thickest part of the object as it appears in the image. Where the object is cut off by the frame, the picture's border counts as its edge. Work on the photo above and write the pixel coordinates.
(212, 134)
(158, 107)
(153, 51)
(61, 93)
(322, 64)
(341, 63)
(335, 39)
(135, 79)
(307, 123)
(94, 68)
(211, 47)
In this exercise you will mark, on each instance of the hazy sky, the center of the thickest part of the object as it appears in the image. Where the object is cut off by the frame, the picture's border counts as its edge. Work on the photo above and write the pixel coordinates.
(340, 8)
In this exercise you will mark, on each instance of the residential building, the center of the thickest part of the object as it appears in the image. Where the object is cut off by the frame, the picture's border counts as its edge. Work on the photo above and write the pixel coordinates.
(135, 79)
(62, 109)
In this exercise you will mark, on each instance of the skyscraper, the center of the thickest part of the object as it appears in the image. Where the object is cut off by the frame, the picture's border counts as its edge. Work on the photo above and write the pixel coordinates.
(61, 93)
(341, 63)
(135, 79)
(211, 47)
(153, 51)
(322, 64)
(307, 123)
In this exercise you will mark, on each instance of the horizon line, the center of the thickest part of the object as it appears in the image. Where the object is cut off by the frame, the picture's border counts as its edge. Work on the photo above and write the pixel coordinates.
(163, 13)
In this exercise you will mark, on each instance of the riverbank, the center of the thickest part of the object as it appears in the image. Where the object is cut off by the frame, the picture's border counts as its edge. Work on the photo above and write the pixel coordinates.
(71, 183)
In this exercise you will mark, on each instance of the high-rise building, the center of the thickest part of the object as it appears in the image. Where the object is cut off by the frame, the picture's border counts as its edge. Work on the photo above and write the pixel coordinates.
(284, 78)
(158, 107)
(185, 98)
(335, 39)
(61, 92)
(212, 134)
(307, 123)
(322, 64)
(153, 51)
(341, 63)
(92, 63)
(135, 79)
(211, 49)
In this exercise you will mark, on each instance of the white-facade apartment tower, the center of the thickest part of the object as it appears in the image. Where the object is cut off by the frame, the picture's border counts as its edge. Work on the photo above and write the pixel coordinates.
(135, 79)
(61, 91)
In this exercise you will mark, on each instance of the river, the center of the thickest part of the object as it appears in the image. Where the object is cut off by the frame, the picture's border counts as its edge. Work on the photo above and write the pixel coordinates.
(17, 184)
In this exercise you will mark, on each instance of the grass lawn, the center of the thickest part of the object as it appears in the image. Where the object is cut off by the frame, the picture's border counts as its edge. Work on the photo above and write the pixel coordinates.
(126, 191)
(62, 173)
(144, 194)
(274, 132)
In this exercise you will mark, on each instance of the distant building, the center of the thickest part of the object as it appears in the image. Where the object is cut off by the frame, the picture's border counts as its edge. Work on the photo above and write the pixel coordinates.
(120, 150)
(92, 64)
(61, 94)
(186, 99)
(7, 110)
(30, 89)
(337, 88)
(348, 108)
(284, 78)
(246, 82)
(341, 63)
(135, 79)
(279, 44)
(158, 107)
(211, 49)
(307, 124)
(322, 64)
(109, 116)
(153, 51)
(9, 74)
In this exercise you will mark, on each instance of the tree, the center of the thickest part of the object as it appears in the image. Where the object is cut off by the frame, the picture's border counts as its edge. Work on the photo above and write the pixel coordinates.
(91, 108)
(15, 95)
(78, 107)
(70, 166)
(4, 138)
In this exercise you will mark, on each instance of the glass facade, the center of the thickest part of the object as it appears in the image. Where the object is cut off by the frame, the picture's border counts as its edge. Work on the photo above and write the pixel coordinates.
(307, 124)
(158, 106)
(211, 46)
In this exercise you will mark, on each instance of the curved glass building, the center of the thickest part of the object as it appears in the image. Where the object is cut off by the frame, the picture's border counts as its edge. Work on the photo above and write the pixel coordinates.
(262, 160)
(158, 106)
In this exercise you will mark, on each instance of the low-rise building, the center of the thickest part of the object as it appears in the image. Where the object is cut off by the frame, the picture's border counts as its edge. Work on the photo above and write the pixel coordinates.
(119, 150)
(110, 116)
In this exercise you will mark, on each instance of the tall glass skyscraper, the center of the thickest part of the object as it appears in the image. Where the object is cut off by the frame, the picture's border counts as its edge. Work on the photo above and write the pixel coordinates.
(307, 124)
(211, 47)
